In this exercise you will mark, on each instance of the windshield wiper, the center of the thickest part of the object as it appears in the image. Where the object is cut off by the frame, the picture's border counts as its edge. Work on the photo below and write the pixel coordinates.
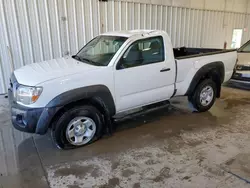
(76, 57)
(85, 60)
(89, 61)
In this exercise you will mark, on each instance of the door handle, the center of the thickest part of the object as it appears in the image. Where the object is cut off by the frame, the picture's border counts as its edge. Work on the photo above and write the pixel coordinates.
(165, 69)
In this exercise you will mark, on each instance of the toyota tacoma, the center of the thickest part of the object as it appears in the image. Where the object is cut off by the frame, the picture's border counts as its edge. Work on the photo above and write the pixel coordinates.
(79, 97)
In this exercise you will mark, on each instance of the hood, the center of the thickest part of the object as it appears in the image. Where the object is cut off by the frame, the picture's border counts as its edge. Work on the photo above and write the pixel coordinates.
(244, 59)
(37, 73)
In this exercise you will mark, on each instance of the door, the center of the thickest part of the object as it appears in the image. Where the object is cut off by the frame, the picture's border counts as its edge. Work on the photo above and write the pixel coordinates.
(144, 74)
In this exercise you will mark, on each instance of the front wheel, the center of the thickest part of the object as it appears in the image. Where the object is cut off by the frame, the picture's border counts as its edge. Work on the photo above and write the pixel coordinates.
(204, 95)
(77, 127)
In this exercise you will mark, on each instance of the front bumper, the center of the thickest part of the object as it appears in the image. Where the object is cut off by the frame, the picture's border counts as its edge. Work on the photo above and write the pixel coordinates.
(240, 80)
(31, 120)
(239, 84)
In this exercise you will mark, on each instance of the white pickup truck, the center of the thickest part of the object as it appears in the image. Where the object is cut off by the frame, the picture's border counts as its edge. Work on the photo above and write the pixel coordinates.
(78, 97)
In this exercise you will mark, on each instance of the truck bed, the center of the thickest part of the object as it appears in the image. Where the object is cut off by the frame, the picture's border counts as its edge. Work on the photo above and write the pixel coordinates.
(192, 59)
(184, 52)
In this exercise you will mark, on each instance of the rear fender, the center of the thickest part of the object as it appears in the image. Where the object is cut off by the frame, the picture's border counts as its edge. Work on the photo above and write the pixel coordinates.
(214, 70)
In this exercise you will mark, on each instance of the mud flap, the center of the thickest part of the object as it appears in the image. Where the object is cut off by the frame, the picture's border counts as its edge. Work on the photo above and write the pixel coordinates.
(191, 107)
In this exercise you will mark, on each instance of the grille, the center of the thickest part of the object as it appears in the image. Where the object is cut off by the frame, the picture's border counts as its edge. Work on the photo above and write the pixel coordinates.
(243, 67)
(238, 76)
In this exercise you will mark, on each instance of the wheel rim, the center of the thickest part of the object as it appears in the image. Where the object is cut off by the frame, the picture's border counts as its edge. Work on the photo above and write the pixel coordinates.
(80, 130)
(206, 95)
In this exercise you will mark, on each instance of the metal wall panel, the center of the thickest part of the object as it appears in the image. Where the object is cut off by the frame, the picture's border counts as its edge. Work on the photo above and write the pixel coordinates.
(213, 30)
(246, 34)
(37, 30)
(235, 21)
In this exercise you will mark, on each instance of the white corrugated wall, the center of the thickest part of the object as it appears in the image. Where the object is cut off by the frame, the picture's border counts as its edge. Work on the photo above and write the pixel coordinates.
(37, 30)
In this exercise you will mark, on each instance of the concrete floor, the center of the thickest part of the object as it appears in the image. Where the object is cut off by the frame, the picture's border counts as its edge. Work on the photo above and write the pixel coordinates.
(171, 147)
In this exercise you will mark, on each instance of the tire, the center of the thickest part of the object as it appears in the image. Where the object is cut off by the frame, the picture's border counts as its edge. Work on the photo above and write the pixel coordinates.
(198, 101)
(79, 122)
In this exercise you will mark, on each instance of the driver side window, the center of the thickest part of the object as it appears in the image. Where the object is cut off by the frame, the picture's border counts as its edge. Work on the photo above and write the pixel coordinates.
(143, 52)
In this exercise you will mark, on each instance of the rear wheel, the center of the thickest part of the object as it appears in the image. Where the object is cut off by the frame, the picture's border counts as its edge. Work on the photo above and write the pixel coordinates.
(204, 95)
(77, 127)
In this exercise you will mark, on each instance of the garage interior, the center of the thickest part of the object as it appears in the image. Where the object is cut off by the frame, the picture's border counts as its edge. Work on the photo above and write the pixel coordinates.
(168, 147)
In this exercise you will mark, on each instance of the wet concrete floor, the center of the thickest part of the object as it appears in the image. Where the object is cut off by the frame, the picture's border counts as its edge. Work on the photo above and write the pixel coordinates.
(170, 147)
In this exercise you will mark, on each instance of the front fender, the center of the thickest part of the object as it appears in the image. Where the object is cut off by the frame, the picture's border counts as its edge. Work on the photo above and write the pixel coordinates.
(96, 91)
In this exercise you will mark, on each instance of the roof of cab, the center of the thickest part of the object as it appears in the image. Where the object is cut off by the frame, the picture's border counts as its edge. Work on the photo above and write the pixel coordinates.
(129, 33)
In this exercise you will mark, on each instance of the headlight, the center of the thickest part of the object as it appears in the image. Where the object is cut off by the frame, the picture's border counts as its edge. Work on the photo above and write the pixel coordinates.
(28, 95)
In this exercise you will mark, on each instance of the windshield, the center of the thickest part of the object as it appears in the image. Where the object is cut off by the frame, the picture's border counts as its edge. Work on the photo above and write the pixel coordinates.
(100, 50)
(245, 47)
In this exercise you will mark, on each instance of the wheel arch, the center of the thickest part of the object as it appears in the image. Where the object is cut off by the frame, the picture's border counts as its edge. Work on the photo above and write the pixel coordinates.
(214, 71)
(98, 95)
